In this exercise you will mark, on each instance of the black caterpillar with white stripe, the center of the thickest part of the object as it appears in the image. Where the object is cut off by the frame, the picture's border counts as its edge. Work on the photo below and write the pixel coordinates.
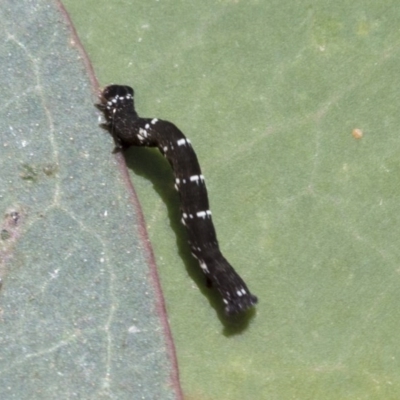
(128, 129)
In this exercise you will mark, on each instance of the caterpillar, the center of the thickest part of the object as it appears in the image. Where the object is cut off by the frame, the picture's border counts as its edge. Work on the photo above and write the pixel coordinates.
(128, 129)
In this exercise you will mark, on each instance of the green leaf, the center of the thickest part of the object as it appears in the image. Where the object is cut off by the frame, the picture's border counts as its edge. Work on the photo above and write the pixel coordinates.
(269, 94)
(81, 316)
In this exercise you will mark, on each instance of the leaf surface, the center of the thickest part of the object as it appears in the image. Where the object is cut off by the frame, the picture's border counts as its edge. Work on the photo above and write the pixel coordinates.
(80, 313)
(269, 94)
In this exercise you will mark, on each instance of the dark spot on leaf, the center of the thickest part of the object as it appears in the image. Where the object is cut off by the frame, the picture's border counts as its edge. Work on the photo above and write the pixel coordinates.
(50, 169)
(29, 173)
(14, 216)
(4, 235)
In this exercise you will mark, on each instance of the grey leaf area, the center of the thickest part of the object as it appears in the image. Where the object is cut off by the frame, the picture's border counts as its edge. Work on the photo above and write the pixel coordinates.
(78, 317)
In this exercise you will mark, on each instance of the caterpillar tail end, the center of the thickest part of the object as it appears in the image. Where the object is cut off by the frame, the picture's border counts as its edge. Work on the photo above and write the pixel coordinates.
(239, 304)
(235, 294)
